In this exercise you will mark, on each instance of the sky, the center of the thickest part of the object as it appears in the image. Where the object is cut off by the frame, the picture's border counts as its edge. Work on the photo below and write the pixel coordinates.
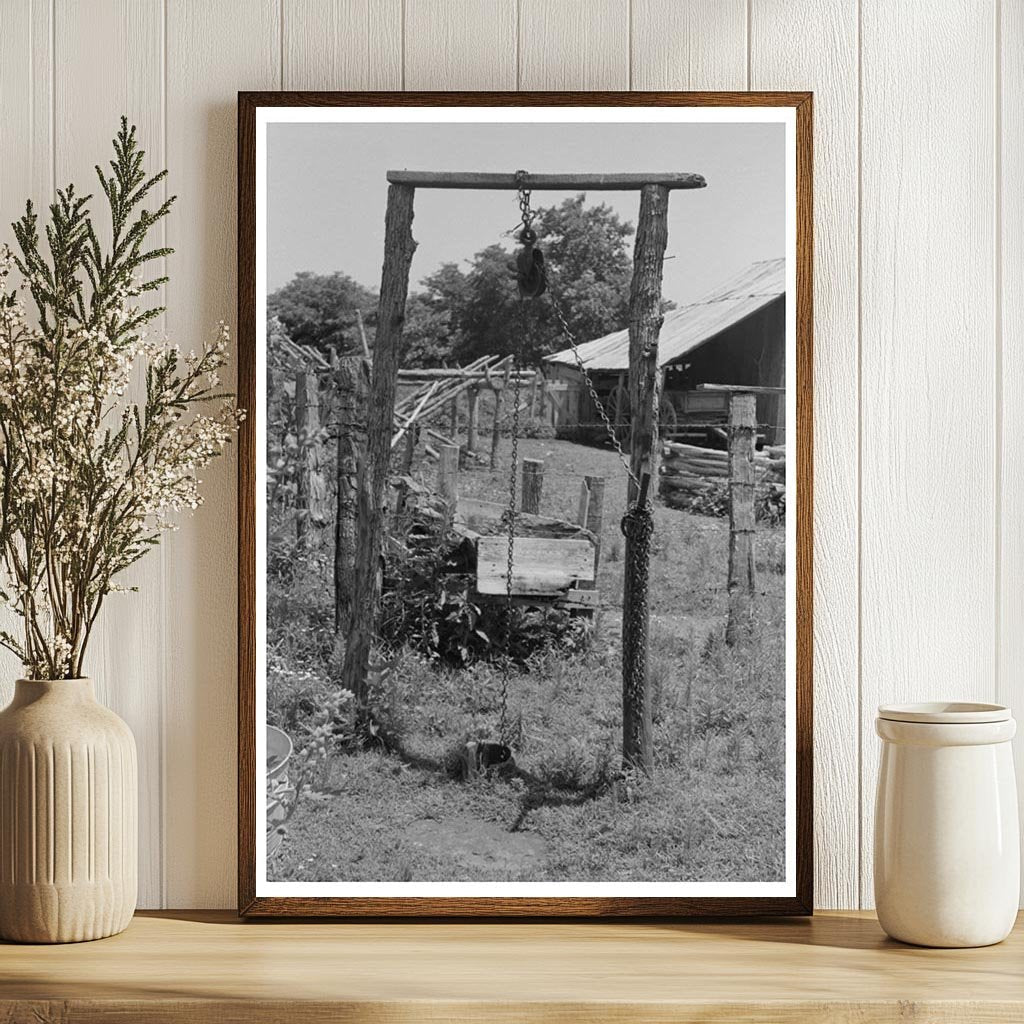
(327, 192)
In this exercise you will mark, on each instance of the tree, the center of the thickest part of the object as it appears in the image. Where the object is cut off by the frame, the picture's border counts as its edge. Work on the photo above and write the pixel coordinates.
(431, 334)
(493, 320)
(320, 310)
(586, 250)
(592, 267)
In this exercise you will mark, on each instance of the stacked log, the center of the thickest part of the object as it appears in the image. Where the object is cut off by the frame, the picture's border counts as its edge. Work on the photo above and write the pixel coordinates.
(776, 467)
(689, 471)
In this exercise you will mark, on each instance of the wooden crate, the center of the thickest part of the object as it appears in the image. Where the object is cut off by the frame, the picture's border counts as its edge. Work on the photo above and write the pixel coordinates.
(554, 561)
(542, 566)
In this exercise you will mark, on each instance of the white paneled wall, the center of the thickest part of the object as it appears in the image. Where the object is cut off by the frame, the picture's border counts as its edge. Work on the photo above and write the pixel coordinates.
(919, 323)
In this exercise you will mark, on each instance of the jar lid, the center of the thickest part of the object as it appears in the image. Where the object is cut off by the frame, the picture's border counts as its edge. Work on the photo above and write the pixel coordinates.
(945, 713)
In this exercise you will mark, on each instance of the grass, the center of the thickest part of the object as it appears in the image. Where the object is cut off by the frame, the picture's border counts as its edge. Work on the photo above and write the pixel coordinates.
(713, 808)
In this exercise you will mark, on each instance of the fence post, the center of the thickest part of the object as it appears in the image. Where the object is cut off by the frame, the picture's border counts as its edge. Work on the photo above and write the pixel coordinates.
(499, 395)
(453, 418)
(310, 490)
(533, 484)
(362, 334)
(594, 518)
(472, 397)
(409, 452)
(742, 580)
(350, 374)
(412, 436)
(448, 474)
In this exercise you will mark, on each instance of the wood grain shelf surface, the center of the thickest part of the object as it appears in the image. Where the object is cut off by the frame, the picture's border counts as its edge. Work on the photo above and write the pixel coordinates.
(210, 967)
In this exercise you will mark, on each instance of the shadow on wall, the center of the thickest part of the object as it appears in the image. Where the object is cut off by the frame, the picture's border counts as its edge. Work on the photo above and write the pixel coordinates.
(201, 559)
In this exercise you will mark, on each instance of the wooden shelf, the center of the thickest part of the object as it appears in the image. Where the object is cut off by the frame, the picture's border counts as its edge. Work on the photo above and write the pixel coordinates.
(210, 967)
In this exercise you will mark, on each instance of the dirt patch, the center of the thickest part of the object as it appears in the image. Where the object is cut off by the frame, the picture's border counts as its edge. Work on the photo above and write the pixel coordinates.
(478, 844)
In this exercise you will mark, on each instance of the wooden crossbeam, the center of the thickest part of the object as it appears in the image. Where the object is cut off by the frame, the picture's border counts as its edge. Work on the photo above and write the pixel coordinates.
(742, 389)
(424, 376)
(545, 182)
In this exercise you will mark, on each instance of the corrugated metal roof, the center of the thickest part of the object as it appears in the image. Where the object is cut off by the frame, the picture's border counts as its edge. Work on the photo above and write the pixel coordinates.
(688, 327)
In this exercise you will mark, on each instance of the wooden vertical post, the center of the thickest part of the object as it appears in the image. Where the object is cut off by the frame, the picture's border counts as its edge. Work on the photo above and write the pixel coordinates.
(409, 452)
(453, 418)
(499, 395)
(542, 394)
(595, 509)
(399, 247)
(583, 504)
(363, 344)
(351, 386)
(472, 397)
(645, 319)
(533, 485)
(309, 486)
(448, 474)
(594, 517)
(771, 371)
(742, 576)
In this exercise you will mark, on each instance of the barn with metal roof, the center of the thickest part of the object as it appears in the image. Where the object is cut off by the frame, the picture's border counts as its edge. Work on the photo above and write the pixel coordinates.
(736, 334)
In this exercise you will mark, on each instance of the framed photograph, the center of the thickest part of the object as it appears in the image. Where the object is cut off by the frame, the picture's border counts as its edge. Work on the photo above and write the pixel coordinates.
(525, 503)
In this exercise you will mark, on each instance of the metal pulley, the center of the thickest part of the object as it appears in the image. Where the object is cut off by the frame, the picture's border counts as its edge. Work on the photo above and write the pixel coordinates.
(530, 273)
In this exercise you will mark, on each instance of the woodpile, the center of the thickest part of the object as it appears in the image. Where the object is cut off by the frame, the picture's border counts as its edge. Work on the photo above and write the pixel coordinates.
(689, 471)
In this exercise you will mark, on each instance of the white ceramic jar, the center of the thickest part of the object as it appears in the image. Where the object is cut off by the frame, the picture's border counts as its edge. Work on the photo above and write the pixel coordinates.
(947, 848)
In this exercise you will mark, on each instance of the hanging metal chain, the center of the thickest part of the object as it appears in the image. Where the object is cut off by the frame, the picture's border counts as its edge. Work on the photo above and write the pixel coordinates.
(638, 522)
(581, 366)
(511, 519)
(527, 215)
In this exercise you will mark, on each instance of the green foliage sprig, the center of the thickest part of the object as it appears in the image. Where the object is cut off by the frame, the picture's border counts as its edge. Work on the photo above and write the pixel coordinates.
(89, 477)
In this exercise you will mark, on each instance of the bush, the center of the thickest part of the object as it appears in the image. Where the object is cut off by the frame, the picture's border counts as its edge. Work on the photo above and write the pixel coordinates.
(533, 427)
(589, 434)
(429, 605)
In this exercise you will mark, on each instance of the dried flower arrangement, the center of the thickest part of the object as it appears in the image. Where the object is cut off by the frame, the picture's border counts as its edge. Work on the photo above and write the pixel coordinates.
(90, 476)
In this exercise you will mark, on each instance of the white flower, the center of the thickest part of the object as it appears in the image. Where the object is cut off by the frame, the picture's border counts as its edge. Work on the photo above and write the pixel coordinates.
(94, 464)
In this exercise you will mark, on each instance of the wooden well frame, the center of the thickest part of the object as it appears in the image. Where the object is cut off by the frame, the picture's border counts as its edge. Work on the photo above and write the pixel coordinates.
(645, 319)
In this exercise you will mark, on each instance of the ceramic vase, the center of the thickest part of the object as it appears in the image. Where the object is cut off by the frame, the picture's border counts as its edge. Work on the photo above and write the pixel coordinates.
(68, 815)
(947, 848)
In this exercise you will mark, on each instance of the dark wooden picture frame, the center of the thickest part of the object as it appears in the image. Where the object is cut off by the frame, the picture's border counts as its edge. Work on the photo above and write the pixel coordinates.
(250, 904)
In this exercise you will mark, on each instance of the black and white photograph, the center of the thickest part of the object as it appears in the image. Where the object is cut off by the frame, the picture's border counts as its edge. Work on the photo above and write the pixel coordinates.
(525, 472)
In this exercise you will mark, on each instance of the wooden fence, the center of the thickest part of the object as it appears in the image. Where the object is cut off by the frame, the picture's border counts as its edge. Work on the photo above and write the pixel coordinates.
(690, 474)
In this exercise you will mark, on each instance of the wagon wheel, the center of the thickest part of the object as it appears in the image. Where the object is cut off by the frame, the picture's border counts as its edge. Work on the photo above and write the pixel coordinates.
(618, 410)
(617, 405)
(667, 419)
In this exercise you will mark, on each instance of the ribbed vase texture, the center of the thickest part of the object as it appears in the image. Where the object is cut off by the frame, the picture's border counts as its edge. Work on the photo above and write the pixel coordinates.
(68, 815)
